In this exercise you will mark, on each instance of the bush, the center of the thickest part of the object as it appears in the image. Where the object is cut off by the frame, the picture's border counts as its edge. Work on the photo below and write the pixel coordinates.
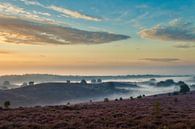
(184, 88)
(7, 104)
(131, 98)
(121, 99)
(106, 100)
(156, 109)
(116, 99)
(175, 93)
(139, 97)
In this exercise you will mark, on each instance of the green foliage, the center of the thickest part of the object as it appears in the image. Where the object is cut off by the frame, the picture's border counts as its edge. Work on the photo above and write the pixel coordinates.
(7, 104)
(106, 100)
(83, 81)
(131, 98)
(175, 93)
(139, 97)
(184, 88)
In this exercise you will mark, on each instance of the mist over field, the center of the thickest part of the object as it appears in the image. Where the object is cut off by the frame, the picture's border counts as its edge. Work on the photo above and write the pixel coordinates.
(59, 90)
(97, 64)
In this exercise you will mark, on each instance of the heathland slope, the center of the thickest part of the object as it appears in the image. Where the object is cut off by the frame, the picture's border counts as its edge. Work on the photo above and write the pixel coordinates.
(155, 112)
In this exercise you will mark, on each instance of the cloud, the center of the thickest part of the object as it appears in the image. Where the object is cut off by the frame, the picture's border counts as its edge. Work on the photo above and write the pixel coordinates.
(184, 46)
(31, 2)
(12, 10)
(19, 31)
(161, 59)
(73, 14)
(41, 13)
(64, 12)
(176, 30)
(4, 52)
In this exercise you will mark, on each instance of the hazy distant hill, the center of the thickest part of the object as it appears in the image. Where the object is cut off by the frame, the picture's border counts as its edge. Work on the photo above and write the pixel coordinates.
(55, 93)
(50, 78)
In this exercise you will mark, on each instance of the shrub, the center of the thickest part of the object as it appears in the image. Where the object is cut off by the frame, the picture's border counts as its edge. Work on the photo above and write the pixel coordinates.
(156, 108)
(121, 99)
(155, 95)
(7, 104)
(139, 97)
(116, 99)
(106, 100)
(175, 93)
(131, 98)
(184, 88)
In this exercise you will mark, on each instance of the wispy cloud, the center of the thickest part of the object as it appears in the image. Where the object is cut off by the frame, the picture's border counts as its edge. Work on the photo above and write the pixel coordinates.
(73, 14)
(4, 52)
(41, 13)
(31, 2)
(19, 31)
(13, 10)
(161, 59)
(176, 30)
(64, 12)
(184, 46)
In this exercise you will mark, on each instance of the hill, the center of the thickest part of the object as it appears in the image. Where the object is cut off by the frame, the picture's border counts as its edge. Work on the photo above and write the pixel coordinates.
(154, 112)
(55, 93)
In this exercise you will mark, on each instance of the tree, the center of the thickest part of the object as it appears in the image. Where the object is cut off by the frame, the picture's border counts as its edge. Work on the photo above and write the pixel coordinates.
(106, 100)
(83, 82)
(99, 80)
(7, 104)
(184, 88)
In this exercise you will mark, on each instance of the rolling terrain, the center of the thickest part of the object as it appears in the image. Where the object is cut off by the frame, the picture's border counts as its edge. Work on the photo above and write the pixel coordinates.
(164, 111)
(55, 93)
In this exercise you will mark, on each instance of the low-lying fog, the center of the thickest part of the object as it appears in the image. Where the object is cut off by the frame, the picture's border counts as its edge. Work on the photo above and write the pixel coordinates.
(144, 88)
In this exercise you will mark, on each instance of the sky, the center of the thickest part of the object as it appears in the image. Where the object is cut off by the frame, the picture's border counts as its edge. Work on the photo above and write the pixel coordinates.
(97, 37)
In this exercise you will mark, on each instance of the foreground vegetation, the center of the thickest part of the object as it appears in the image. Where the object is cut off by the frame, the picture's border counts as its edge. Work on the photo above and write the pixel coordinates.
(167, 111)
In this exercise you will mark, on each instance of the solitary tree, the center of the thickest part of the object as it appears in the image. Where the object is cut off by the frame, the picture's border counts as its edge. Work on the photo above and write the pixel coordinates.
(7, 104)
(83, 81)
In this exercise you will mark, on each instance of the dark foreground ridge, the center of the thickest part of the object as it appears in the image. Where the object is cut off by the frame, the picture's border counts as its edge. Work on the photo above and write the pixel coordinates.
(166, 111)
(55, 93)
